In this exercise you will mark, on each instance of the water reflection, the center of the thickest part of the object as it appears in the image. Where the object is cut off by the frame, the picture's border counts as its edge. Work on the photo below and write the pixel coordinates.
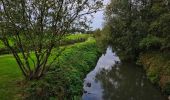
(111, 80)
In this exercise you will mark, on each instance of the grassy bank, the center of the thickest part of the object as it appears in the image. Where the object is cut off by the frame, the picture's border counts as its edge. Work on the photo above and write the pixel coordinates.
(64, 80)
(157, 66)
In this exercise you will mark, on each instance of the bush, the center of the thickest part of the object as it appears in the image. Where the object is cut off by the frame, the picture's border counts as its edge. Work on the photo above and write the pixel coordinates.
(53, 85)
(153, 77)
(150, 42)
(157, 66)
(74, 38)
(166, 88)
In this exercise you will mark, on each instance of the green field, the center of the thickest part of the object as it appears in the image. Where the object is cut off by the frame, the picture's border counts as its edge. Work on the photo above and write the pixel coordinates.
(77, 36)
(67, 40)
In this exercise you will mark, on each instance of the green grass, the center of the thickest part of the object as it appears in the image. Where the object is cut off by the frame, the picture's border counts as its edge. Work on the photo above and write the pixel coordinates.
(68, 39)
(80, 57)
(77, 36)
(9, 75)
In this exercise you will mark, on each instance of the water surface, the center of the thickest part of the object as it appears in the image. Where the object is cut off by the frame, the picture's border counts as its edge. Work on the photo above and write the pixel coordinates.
(112, 80)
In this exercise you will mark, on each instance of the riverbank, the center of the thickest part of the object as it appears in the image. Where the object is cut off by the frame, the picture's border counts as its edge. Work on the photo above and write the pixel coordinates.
(157, 66)
(65, 78)
(115, 80)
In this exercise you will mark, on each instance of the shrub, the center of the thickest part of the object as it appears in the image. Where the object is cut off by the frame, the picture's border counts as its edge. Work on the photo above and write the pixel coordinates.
(153, 77)
(166, 88)
(157, 66)
(150, 42)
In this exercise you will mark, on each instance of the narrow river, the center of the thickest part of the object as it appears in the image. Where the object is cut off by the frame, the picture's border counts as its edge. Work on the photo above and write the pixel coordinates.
(112, 80)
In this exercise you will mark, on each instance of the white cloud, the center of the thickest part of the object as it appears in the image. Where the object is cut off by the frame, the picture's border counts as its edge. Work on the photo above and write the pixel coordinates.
(98, 18)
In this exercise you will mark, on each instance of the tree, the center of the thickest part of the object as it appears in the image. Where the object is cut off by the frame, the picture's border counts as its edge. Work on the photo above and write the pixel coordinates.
(126, 25)
(135, 22)
(31, 29)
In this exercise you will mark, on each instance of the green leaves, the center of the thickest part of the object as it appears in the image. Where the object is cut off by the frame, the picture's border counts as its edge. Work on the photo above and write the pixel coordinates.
(138, 25)
(65, 79)
(150, 42)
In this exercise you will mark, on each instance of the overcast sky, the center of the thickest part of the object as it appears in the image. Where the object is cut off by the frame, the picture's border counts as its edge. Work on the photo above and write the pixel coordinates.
(98, 18)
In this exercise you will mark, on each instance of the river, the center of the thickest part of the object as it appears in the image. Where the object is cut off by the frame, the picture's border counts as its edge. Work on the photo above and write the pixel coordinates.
(113, 80)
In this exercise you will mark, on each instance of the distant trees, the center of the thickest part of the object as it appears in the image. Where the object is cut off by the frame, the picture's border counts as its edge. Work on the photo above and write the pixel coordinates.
(35, 27)
(135, 25)
(100, 37)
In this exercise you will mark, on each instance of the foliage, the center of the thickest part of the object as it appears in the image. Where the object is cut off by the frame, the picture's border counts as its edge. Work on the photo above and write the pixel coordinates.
(52, 85)
(102, 38)
(77, 36)
(166, 88)
(150, 42)
(142, 27)
(38, 26)
(153, 76)
(74, 38)
(157, 66)
(126, 30)
(69, 75)
(65, 80)
(136, 24)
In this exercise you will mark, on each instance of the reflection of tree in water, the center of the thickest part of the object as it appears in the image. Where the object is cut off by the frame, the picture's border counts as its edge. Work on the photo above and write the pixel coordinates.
(126, 82)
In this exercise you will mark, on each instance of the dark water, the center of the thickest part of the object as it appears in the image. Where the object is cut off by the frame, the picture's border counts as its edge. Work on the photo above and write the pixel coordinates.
(112, 80)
